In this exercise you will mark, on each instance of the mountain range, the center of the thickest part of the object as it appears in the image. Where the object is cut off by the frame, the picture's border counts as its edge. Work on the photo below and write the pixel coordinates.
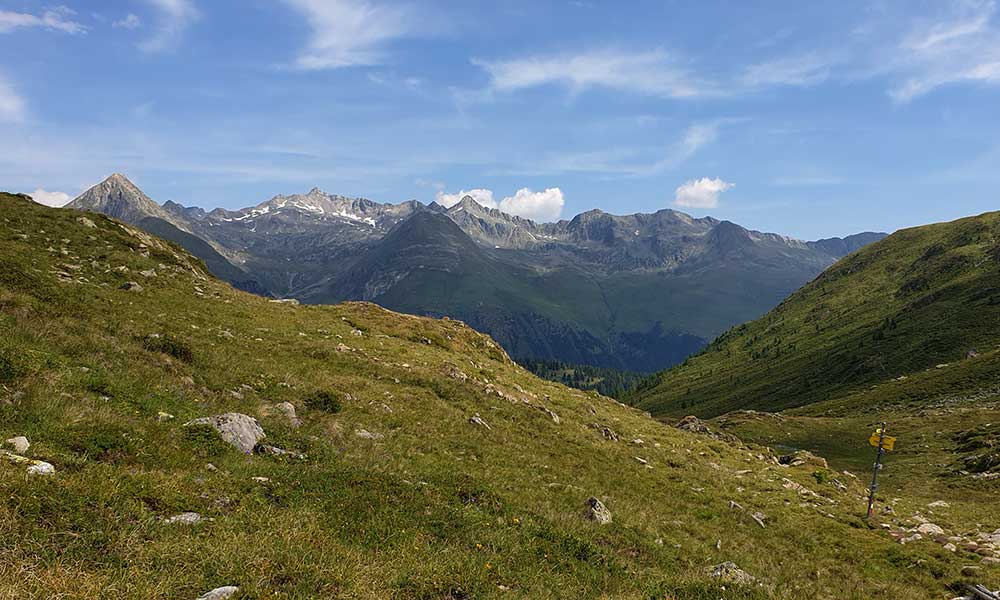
(639, 292)
(909, 319)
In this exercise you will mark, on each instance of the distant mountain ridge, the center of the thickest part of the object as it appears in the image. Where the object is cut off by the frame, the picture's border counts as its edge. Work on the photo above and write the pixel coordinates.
(921, 299)
(639, 291)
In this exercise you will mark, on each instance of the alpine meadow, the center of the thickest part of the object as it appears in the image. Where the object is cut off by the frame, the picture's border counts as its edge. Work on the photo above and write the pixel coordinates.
(417, 300)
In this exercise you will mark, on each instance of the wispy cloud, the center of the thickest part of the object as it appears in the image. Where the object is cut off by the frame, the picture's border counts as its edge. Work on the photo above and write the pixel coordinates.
(649, 73)
(54, 19)
(964, 47)
(129, 21)
(174, 17)
(348, 32)
(808, 69)
(12, 107)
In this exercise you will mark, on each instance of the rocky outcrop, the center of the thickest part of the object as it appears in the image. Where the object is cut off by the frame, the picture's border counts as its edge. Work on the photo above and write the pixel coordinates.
(241, 431)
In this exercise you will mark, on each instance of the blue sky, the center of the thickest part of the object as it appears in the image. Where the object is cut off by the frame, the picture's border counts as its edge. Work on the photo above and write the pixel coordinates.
(808, 119)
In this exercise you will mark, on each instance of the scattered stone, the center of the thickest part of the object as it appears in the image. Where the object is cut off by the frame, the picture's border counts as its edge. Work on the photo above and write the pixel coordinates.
(357, 333)
(950, 547)
(990, 560)
(148, 273)
(20, 444)
(275, 451)
(289, 301)
(288, 409)
(164, 416)
(41, 467)
(801, 458)
(34, 467)
(596, 511)
(930, 529)
(220, 593)
(693, 424)
(368, 435)
(759, 518)
(211, 467)
(607, 432)
(240, 430)
(637, 442)
(938, 504)
(260, 479)
(552, 415)
(477, 420)
(641, 461)
(131, 286)
(86, 222)
(187, 518)
(729, 572)
(456, 373)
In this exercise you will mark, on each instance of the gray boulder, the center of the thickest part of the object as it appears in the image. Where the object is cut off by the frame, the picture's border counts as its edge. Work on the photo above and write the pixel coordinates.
(240, 430)
(596, 511)
(288, 409)
(220, 593)
(20, 444)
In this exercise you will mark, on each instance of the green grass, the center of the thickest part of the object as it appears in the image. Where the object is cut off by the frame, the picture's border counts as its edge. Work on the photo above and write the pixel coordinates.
(919, 298)
(435, 508)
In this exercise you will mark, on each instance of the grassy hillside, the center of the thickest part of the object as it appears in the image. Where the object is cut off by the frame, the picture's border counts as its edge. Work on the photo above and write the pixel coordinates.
(398, 494)
(921, 297)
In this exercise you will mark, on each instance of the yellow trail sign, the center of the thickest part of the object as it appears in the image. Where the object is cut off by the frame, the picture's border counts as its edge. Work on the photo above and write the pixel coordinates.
(887, 442)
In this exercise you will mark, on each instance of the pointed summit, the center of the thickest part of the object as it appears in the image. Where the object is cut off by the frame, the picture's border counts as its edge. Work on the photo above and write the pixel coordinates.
(119, 198)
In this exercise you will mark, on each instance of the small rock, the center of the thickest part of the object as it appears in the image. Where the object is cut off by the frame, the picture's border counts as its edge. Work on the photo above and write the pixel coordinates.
(240, 430)
(220, 593)
(148, 273)
(930, 529)
(357, 333)
(596, 511)
(729, 572)
(164, 416)
(275, 451)
(288, 409)
(20, 444)
(990, 560)
(187, 518)
(260, 479)
(477, 420)
(368, 435)
(131, 286)
(803, 457)
(86, 222)
(41, 468)
(938, 504)
(950, 547)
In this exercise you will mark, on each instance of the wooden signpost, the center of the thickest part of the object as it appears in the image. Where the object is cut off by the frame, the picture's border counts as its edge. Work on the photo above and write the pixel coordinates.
(884, 443)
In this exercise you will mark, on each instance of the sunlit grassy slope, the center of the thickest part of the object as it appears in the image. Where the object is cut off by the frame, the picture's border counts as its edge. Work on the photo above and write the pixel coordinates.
(422, 504)
(919, 298)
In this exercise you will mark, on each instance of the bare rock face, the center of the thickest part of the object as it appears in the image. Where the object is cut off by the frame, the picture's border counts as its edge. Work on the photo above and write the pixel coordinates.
(596, 511)
(240, 430)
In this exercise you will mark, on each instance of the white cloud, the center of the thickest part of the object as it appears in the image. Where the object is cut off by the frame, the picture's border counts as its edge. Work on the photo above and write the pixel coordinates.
(348, 32)
(537, 206)
(130, 21)
(175, 17)
(56, 199)
(650, 73)
(11, 104)
(483, 197)
(55, 19)
(701, 193)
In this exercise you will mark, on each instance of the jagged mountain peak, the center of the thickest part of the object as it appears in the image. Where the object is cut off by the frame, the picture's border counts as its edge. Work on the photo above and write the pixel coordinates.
(118, 197)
